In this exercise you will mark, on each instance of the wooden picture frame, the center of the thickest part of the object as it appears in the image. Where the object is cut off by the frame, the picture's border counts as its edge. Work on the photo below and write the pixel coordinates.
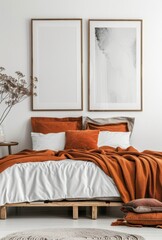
(115, 65)
(57, 63)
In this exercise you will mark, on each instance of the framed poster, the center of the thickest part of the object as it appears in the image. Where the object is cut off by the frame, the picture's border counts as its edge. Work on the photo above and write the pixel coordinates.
(57, 63)
(115, 65)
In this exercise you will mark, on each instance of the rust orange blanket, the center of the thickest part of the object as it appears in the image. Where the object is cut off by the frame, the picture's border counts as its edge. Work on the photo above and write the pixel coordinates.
(136, 174)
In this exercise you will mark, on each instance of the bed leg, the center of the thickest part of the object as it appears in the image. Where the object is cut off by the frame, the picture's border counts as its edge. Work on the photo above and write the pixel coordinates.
(75, 212)
(3, 213)
(94, 212)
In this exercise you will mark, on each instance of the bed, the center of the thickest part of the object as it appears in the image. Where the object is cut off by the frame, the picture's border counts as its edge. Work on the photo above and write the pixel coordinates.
(68, 166)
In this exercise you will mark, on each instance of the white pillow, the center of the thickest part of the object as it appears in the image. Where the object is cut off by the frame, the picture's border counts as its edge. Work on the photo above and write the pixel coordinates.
(114, 139)
(52, 141)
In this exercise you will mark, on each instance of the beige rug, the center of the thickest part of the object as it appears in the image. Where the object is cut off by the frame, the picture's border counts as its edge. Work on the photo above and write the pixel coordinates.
(71, 234)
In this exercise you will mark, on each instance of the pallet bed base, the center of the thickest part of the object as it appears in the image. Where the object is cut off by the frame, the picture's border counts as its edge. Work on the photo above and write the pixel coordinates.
(74, 205)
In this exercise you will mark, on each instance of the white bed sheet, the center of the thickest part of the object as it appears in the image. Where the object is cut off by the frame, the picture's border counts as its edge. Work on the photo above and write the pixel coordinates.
(55, 180)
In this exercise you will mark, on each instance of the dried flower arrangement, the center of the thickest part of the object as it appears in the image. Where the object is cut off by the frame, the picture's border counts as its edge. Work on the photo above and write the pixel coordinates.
(13, 90)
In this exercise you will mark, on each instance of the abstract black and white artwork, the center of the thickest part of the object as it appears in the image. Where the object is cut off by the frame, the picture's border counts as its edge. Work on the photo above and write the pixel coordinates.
(115, 59)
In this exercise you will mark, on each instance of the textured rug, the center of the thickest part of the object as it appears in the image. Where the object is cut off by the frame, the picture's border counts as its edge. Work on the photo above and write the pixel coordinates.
(71, 234)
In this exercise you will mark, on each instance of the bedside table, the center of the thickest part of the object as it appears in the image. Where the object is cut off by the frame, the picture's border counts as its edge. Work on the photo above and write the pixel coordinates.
(9, 145)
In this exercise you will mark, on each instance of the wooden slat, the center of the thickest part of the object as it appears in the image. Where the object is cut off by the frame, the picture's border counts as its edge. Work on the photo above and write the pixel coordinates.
(94, 212)
(65, 204)
(3, 213)
(115, 204)
(75, 212)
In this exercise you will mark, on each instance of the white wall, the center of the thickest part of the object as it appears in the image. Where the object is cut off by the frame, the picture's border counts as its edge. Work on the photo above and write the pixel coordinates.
(15, 54)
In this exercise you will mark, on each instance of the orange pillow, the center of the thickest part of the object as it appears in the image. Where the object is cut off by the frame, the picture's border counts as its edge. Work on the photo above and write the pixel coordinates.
(53, 125)
(116, 127)
(147, 219)
(84, 139)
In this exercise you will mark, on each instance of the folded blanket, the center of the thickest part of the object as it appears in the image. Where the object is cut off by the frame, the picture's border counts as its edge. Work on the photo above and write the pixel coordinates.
(136, 174)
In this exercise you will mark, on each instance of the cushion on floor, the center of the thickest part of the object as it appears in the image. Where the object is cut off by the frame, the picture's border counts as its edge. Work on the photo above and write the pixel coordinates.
(144, 219)
(141, 212)
(143, 205)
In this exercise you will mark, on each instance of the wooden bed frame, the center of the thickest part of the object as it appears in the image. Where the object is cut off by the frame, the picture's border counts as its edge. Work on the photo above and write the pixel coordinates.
(75, 205)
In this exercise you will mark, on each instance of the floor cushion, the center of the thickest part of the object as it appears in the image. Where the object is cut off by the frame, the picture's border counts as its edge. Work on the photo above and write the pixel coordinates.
(143, 205)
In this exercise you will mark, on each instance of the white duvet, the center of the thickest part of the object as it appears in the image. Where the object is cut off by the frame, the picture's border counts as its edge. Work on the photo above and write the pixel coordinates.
(55, 180)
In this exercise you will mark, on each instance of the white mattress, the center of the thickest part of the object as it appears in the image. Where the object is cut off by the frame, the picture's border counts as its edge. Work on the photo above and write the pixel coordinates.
(55, 180)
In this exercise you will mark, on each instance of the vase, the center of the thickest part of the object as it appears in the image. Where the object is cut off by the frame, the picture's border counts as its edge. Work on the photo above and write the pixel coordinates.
(2, 135)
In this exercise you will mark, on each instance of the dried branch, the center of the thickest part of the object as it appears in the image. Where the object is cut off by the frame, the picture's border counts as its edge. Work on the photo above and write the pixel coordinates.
(14, 90)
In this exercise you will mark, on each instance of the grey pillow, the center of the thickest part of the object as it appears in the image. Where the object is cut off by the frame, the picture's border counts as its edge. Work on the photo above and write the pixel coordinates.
(143, 205)
(112, 120)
